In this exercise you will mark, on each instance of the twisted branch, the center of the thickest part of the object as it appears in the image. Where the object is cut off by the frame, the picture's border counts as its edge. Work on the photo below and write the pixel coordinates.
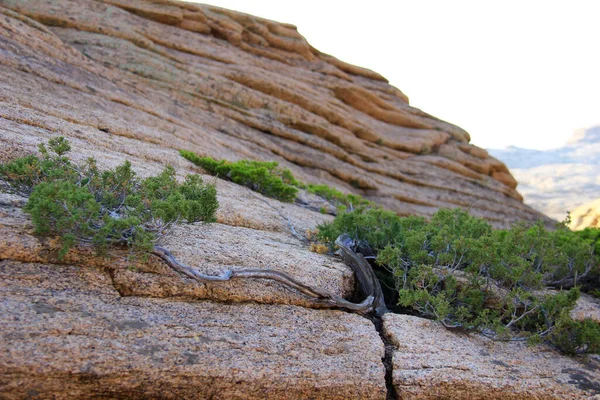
(322, 296)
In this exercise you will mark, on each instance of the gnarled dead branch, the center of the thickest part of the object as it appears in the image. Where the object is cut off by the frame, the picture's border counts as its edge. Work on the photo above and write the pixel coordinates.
(322, 296)
(365, 276)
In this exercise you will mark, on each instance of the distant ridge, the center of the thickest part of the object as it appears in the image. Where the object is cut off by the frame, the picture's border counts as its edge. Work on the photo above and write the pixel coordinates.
(558, 180)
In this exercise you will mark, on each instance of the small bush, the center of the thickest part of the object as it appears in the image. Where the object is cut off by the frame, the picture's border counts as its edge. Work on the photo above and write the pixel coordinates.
(576, 337)
(591, 234)
(272, 181)
(319, 248)
(338, 199)
(80, 202)
(455, 268)
(266, 178)
(374, 228)
(24, 173)
(591, 282)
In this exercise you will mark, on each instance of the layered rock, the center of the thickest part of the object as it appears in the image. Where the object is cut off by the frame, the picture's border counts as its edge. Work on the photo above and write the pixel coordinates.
(67, 333)
(157, 76)
(210, 248)
(141, 79)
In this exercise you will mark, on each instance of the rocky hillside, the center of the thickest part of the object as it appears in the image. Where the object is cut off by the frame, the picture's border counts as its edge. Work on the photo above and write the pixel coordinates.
(233, 86)
(141, 79)
(558, 180)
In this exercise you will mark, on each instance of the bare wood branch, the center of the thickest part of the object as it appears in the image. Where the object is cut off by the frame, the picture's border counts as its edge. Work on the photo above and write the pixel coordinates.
(322, 296)
(365, 276)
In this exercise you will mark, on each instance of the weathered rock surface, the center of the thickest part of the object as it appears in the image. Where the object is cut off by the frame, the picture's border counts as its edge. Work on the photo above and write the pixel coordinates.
(211, 249)
(141, 79)
(146, 78)
(432, 362)
(67, 333)
(587, 307)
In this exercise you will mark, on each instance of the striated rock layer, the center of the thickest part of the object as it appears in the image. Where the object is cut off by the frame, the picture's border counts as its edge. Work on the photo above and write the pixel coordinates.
(173, 75)
(139, 80)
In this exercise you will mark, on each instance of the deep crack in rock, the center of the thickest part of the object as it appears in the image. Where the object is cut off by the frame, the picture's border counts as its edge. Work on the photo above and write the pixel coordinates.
(387, 359)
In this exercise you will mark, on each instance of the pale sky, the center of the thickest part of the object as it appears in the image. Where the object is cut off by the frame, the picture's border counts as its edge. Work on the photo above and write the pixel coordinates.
(510, 72)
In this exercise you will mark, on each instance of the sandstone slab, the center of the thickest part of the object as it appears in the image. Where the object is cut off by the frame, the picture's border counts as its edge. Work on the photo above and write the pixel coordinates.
(432, 362)
(209, 248)
(67, 333)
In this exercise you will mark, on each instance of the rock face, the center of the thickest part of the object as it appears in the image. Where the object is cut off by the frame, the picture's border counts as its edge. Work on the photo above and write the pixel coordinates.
(66, 331)
(157, 76)
(432, 362)
(141, 79)
(559, 180)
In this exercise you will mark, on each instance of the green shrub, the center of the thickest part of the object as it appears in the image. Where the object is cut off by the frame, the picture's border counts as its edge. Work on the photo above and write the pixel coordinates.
(455, 268)
(338, 199)
(591, 234)
(576, 337)
(374, 227)
(112, 207)
(263, 177)
(591, 283)
(272, 181)
(23, 174)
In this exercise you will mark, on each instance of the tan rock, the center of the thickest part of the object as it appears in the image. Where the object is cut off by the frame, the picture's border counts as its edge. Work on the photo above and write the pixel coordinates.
(210, 249)
(587, 307)
(168, 75)
(161, 11)
(140, 80)
(66, 333)
(432, 362)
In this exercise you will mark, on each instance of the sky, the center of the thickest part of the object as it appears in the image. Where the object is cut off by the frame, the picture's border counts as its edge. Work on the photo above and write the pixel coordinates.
(524, 73)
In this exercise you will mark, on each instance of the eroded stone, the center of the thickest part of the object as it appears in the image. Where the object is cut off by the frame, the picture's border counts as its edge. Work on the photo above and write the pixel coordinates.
(145, 79)
(67, 333)
(433, 362)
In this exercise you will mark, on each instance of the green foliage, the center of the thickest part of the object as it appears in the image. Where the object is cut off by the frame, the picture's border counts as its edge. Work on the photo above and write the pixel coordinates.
(80, 202)
(591, 234)
(23, 174)
(263, 177)
(272, 181)
(375, 227)
(457, 269)
(338, 199)
(64, 208)
(575, 337)
(592, 282)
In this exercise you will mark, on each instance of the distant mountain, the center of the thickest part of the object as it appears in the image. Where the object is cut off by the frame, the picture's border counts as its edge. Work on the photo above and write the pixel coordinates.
(558, 180)
(587, 215)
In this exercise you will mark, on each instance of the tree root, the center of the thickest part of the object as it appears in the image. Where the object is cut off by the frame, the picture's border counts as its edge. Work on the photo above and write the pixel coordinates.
(322, 296)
